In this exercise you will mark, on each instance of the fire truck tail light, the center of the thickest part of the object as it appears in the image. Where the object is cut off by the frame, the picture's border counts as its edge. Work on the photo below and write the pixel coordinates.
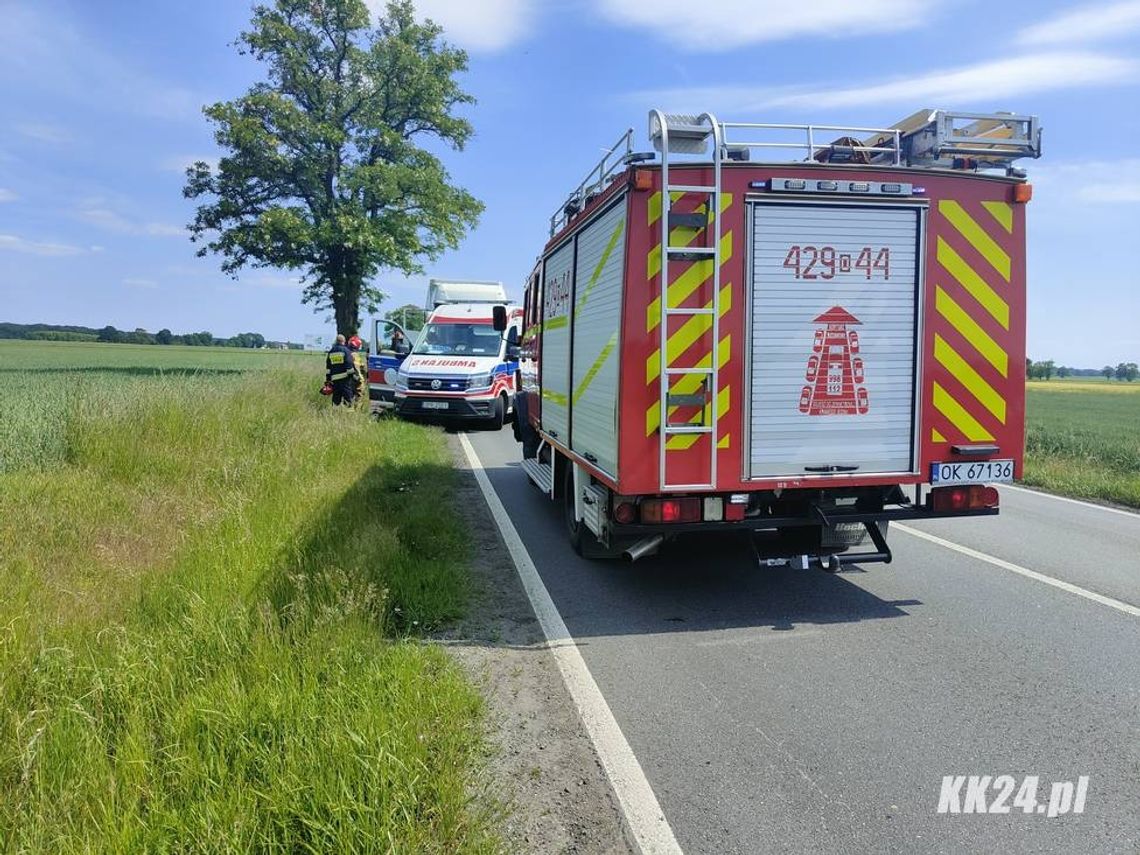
(1022, 192)
(972, 497)
(737, 505)
(671, 510)
(625, 512)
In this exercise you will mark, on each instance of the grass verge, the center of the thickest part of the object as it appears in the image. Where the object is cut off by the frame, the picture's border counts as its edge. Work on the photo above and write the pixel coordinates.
(207, 639)
(1081, 440)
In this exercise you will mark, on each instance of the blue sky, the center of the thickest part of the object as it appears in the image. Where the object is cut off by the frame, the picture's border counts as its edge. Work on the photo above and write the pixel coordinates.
(100, 111)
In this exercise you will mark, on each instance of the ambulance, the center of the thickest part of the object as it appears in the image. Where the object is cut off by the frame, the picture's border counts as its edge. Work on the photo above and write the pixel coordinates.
(462, 368)
(799, 333)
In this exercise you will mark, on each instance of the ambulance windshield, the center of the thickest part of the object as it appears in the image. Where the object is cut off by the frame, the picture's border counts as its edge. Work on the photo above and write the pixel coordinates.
(459, 340)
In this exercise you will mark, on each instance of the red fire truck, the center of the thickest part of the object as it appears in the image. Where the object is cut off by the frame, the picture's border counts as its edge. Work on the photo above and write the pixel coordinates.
(722, 337)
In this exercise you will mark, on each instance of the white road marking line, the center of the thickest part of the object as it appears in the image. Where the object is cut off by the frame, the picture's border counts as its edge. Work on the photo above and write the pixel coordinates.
(1095, 507)
(642, 812)
(1119, 605)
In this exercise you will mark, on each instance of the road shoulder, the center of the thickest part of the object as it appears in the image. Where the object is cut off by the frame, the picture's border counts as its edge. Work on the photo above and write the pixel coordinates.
(545, 765)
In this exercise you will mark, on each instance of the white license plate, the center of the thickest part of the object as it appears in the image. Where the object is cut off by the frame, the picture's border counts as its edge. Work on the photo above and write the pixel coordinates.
(435, 405)
(976, 472)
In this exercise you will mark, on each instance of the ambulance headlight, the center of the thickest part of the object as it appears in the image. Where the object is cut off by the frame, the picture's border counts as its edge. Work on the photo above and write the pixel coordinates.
(401, 381)
(480, 381)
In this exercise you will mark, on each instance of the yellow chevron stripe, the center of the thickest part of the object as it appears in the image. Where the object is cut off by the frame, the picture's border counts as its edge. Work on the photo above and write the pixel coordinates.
(936, 436)
(944, 402)
(725, 441)
(978, 237)
(680, 236)
(1002, 212)
(687, 384)
(968, 377)
(554, 397)
(595, 368)
(688, 282)
(683, 339)
(979, 289)
(682, 441)
(619, 229)
(654, 206)
(970, 331)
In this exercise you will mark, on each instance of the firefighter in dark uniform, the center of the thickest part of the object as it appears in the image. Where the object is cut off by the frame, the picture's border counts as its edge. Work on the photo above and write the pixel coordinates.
(341, 372)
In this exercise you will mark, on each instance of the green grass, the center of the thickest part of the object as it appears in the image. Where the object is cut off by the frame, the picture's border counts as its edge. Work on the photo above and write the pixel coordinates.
(42, 384)
(1082, 439)
(214, 585)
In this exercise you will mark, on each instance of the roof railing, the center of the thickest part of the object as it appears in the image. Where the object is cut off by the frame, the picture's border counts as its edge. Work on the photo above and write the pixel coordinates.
(616, 158)
(832, 143)
(943, 139)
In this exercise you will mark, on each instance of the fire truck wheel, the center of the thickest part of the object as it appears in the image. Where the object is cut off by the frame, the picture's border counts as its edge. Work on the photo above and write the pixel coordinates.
(575, 529)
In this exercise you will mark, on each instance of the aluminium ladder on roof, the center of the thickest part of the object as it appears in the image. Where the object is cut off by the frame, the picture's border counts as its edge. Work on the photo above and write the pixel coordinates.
(689, 135)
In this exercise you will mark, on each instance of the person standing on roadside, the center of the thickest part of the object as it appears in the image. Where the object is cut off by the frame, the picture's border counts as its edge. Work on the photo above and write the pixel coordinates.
(360, 358)
(341, 372)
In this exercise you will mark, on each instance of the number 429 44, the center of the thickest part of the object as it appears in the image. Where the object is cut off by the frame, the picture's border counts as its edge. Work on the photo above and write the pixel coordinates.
(825, 262)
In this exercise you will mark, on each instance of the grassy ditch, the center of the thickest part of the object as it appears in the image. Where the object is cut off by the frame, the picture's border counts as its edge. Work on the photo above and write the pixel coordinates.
(213, 585)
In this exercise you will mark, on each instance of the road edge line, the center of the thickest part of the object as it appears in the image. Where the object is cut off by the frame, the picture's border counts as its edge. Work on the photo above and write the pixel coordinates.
(1135, 515)
(639, 806)
(1119, 605)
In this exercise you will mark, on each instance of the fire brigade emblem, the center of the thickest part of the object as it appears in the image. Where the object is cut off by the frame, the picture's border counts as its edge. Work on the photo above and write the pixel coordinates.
(834, 370)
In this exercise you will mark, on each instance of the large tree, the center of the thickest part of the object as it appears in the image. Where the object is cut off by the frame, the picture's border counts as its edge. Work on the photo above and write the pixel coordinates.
(323, 170)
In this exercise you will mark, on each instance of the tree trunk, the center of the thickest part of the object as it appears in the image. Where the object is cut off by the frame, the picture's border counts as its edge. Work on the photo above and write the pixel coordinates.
(346, 305)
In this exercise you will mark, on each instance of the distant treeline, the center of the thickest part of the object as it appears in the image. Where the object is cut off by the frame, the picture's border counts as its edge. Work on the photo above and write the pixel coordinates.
(56, 332)
(1046, 369)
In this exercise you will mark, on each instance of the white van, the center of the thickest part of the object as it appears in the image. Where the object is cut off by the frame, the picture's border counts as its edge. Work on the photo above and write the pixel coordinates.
(461, 367)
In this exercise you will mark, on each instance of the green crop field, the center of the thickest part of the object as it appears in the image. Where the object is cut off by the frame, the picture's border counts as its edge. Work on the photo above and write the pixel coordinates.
(214, 588)
(1082, 439)
(44, 384)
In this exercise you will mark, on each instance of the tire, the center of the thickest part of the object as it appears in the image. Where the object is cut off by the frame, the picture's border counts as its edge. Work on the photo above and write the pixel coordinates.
(576, 530)
(498, 414)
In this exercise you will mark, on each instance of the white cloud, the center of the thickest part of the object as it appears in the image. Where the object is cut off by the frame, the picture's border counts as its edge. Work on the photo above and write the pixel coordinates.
(1085, 24)
(7, 195)
(108, 220)
(42, 132)
(983, 85)
(13, 243)
(1090, 182)
(478, 25)
(49, 55)
(720, 25)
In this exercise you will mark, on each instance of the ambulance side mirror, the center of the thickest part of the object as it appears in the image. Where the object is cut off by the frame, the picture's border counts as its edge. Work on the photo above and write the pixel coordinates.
(499, 318)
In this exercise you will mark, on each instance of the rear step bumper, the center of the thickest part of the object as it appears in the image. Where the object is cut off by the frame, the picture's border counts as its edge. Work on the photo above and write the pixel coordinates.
(901, 514)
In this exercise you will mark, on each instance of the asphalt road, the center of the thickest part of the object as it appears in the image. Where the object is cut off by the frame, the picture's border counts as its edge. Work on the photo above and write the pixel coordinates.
(788, 711)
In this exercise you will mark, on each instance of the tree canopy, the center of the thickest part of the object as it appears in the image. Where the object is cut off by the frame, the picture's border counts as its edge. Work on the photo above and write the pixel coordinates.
(323, 170)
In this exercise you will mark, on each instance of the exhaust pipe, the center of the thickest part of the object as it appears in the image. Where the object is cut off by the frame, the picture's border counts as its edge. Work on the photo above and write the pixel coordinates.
(645, 546)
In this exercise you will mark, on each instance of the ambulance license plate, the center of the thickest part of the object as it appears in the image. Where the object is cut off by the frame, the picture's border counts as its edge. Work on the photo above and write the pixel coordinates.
(977, 472)
(435, 405)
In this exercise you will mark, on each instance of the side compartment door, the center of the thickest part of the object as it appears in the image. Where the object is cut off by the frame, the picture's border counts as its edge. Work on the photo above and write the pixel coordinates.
(596, 331)
(554, 371)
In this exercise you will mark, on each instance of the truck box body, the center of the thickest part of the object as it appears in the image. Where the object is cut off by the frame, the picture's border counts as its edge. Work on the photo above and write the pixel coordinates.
(868, 332)
(930, 290)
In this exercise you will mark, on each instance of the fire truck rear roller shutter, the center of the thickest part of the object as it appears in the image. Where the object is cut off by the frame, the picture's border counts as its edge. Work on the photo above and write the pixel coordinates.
(833, 270)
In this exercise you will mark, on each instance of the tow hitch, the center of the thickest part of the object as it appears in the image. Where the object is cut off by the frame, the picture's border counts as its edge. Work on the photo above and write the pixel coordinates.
(834, 562)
